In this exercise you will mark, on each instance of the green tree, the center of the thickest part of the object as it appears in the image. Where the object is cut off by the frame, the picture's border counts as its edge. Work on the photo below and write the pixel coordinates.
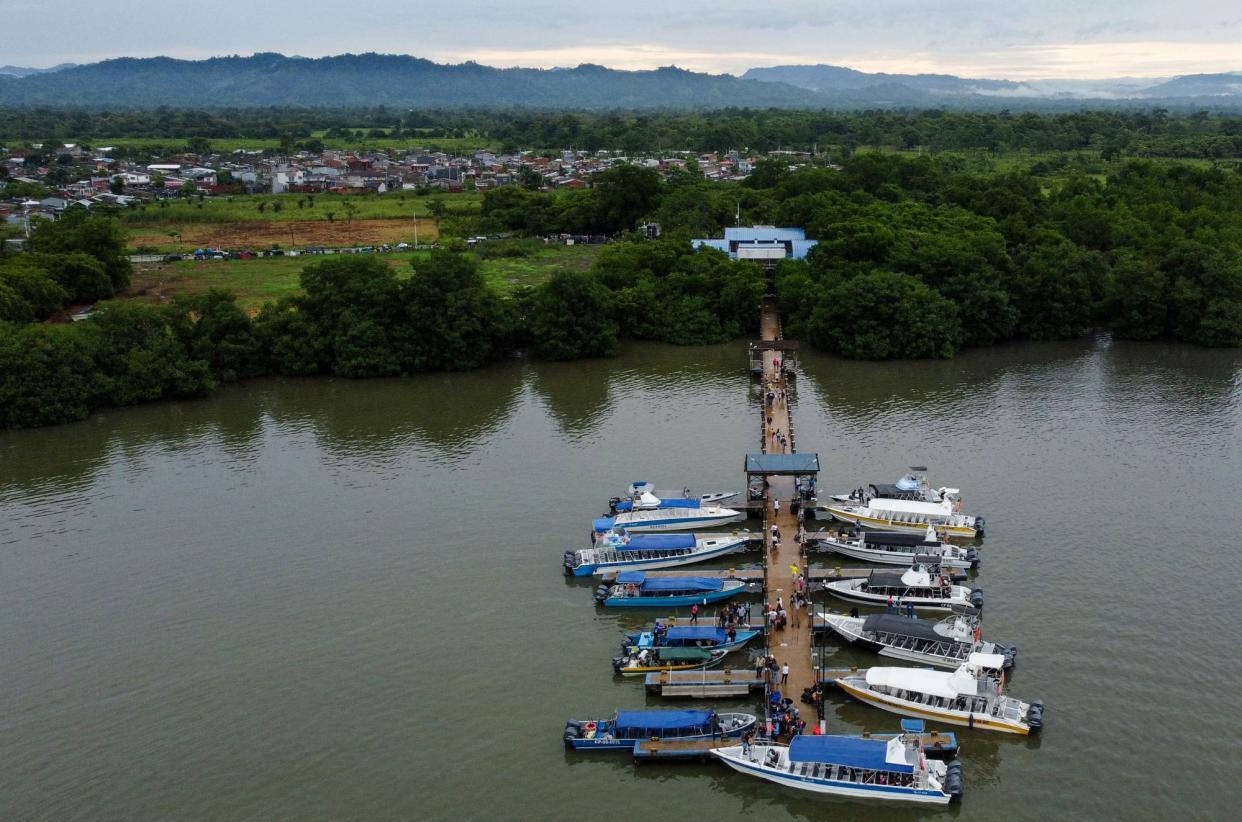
(885, 315)
(569, 318)
(623, 195)
(453, 321)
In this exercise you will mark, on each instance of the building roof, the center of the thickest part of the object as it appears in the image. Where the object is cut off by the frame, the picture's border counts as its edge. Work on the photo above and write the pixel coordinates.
(763, 233)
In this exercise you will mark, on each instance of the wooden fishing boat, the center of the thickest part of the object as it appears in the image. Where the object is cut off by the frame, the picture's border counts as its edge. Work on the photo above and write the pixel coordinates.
(635, 589)
(627, 727)
(643, 661)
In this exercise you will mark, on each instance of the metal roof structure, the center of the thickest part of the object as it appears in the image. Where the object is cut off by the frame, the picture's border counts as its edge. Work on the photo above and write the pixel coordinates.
(782, 465)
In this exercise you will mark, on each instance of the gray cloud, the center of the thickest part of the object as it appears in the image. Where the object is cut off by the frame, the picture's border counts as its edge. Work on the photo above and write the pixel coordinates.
(963, 36)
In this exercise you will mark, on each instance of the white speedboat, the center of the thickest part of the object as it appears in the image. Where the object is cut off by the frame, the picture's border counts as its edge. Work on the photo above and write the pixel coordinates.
(921, 585)
(644, 494)
(902, 548)
(973, 695)
(669, 519)
(911, 516)
(913, 486)
(619, 551)
(946, 643)
(894, 769)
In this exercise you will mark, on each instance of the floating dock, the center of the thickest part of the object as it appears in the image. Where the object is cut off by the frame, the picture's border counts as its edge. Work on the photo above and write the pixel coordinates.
(709, 684)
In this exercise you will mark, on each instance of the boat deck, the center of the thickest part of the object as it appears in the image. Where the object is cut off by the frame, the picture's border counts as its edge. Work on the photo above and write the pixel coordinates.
(757, 575)
(934, 744)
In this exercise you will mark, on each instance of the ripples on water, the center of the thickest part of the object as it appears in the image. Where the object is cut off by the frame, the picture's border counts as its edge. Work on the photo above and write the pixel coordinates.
(342, 599)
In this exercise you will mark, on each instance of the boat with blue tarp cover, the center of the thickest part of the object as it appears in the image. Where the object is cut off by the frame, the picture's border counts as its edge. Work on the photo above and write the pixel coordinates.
(635, 589)
(862, 767)
(619, 551)
(688, 636)
(627, 727)
(668, 519)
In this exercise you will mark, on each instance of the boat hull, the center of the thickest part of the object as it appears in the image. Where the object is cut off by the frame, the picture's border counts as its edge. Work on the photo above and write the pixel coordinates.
(844, 630)
(889, 557)
(677, 523)
(877, 600)
(887, 524)
(685, 600)
(906, 708)
(599, 569)
(831, 786)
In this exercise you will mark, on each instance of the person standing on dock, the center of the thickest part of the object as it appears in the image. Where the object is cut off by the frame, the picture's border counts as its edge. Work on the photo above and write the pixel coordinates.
(694, 614)
(785, 674)
(776, 506)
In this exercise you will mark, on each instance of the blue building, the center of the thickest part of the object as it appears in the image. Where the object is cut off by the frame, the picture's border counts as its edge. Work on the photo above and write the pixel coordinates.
(763, 244)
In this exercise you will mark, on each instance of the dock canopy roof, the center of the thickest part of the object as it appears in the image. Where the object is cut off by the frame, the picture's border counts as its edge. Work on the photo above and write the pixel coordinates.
(868, 754)
(782, 464)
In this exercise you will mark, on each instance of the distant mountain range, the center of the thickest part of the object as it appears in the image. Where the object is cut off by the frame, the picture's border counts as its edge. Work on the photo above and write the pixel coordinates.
(23, 71)
(402, 80)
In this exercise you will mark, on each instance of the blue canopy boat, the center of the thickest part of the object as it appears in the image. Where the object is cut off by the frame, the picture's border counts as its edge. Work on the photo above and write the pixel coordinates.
(643, 494)
(861, 767)
(619, 551)
(635, 589)
(688, 636)
(628, 727)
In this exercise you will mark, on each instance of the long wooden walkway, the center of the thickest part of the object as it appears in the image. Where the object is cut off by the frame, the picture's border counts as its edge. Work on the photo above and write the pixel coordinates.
(792, 645)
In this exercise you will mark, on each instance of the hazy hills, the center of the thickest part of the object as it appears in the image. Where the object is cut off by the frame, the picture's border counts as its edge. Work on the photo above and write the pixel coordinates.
(402, 80)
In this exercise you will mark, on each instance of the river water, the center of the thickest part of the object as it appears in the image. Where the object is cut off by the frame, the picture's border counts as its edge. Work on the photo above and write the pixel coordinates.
(327, 599)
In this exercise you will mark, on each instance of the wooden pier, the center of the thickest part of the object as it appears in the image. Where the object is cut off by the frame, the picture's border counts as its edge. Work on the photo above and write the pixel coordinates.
(792, 645)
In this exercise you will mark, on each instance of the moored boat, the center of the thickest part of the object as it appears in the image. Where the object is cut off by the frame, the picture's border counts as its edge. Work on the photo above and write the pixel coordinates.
(921, 586)
(901, 548)
(689, 636)
(640, 662)
(627, 727)
(636, 589)
(644, 494)
(912, 486)
(946, 643)
(852, 766)
(910, 515)
(668, 519)
(973, 695)
(619, 551)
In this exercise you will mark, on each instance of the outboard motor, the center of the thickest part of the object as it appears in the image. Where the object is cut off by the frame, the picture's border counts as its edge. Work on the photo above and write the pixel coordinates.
(613, 502)
(571, 561)
(853, 613)
(601, 594)
(1011, 655)
(572, 731)
(972, 556)
(617, 662)
(1035, 716)
(953, 783)
(980, 527)
(976, 598)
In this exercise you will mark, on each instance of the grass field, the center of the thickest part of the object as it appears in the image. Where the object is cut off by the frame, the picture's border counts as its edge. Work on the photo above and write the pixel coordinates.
(236, 222)
(262, 280)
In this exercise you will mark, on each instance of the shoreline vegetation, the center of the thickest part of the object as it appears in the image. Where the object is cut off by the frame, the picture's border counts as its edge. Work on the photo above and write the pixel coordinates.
(919, 256)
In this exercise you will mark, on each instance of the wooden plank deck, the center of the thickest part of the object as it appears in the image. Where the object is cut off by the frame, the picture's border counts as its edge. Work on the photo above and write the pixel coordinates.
(792, 645)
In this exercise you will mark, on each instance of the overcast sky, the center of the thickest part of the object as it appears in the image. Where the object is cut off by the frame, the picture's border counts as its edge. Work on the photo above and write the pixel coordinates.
(1014, 39)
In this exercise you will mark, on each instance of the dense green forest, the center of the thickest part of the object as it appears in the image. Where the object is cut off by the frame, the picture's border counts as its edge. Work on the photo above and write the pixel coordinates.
(1153, 133)
(916, 258)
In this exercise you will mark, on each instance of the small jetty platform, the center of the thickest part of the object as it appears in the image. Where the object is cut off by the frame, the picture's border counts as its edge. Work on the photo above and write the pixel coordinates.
(705, 684)
(695, 750)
